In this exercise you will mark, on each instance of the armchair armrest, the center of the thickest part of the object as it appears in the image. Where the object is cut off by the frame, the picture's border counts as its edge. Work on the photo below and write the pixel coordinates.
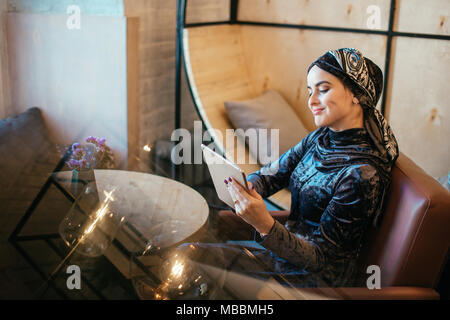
(387, 293)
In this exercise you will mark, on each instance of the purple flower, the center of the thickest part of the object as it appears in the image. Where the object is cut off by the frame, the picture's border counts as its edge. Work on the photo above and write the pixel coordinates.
(72, 163)
(75, 146)
(79, 155)
(98, 142)
(78, 152)
(101, 141)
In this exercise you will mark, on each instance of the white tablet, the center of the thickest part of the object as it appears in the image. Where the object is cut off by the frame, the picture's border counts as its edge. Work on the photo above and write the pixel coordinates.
(220, 170)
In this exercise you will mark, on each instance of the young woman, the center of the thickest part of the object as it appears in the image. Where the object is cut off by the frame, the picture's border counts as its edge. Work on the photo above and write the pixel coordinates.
(337, 176)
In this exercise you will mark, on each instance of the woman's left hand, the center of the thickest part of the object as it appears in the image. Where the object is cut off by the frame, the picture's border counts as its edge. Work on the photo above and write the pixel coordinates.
(250, 206)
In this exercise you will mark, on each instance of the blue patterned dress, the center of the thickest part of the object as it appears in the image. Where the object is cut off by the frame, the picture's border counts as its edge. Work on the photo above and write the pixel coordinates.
(337, 189)
(336, 192)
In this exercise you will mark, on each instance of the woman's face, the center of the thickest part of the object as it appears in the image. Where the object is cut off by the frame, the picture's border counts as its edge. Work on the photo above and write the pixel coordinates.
(331, 102)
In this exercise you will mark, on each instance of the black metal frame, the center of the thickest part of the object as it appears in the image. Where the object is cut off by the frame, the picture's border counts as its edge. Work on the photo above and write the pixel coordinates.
(14, 238)
(390, 33)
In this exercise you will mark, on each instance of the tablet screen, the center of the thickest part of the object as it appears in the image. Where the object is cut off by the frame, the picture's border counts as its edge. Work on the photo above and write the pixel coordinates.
(220, 170)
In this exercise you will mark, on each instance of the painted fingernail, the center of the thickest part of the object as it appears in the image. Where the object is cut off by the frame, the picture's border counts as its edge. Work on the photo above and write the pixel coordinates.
(226, 182)
(229, 179)
(252, 187)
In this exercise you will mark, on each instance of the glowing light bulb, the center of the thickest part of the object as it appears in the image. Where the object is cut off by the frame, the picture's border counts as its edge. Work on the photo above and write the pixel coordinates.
(147, 148)
(177, 269)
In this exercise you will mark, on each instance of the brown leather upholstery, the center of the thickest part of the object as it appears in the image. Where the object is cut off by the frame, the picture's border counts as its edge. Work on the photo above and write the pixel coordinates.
(413, 239)
(411, 242)
(388, 293)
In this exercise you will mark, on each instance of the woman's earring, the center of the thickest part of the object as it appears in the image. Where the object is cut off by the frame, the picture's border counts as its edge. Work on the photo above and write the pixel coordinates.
(355, 101)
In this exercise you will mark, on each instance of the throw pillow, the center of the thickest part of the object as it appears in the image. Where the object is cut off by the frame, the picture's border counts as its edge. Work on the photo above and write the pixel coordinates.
(28, 157)
(268, 111)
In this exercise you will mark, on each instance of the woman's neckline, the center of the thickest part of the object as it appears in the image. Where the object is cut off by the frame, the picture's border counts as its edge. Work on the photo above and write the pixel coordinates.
(347, 133)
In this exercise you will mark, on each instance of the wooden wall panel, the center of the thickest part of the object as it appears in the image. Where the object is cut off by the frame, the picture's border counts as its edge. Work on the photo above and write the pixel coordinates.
(278, 58)
(336, 13)
(207, 10)
(419, 105)
(423, 16)
(218, 71)
(133, 111)
(5, 101)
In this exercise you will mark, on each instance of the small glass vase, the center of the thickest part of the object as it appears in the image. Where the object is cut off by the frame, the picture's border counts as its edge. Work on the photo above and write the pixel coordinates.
(81, 179)
(82, 176)
(90, 225)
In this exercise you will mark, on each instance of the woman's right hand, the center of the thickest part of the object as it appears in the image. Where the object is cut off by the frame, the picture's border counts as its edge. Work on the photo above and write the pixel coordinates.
(250, 206)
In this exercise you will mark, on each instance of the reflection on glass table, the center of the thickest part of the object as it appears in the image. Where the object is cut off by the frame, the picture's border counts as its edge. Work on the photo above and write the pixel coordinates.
(149, 207)
(111, 207)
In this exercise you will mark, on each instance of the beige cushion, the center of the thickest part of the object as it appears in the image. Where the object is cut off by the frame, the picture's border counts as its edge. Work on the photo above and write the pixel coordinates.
(268, 111)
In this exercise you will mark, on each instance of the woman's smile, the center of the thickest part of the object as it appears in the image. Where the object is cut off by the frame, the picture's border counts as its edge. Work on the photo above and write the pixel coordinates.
(317, 111)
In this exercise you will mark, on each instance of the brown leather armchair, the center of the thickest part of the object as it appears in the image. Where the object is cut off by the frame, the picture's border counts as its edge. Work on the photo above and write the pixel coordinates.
(410, 245)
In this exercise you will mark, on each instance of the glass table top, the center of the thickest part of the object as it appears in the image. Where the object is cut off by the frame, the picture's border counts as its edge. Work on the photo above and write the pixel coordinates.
(155, 234)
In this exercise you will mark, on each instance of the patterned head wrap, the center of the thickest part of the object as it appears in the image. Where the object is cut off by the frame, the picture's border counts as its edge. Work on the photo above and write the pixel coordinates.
(365, 79)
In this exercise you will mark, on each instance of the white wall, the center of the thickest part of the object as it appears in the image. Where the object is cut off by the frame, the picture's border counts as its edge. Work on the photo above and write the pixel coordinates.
(78, 77)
